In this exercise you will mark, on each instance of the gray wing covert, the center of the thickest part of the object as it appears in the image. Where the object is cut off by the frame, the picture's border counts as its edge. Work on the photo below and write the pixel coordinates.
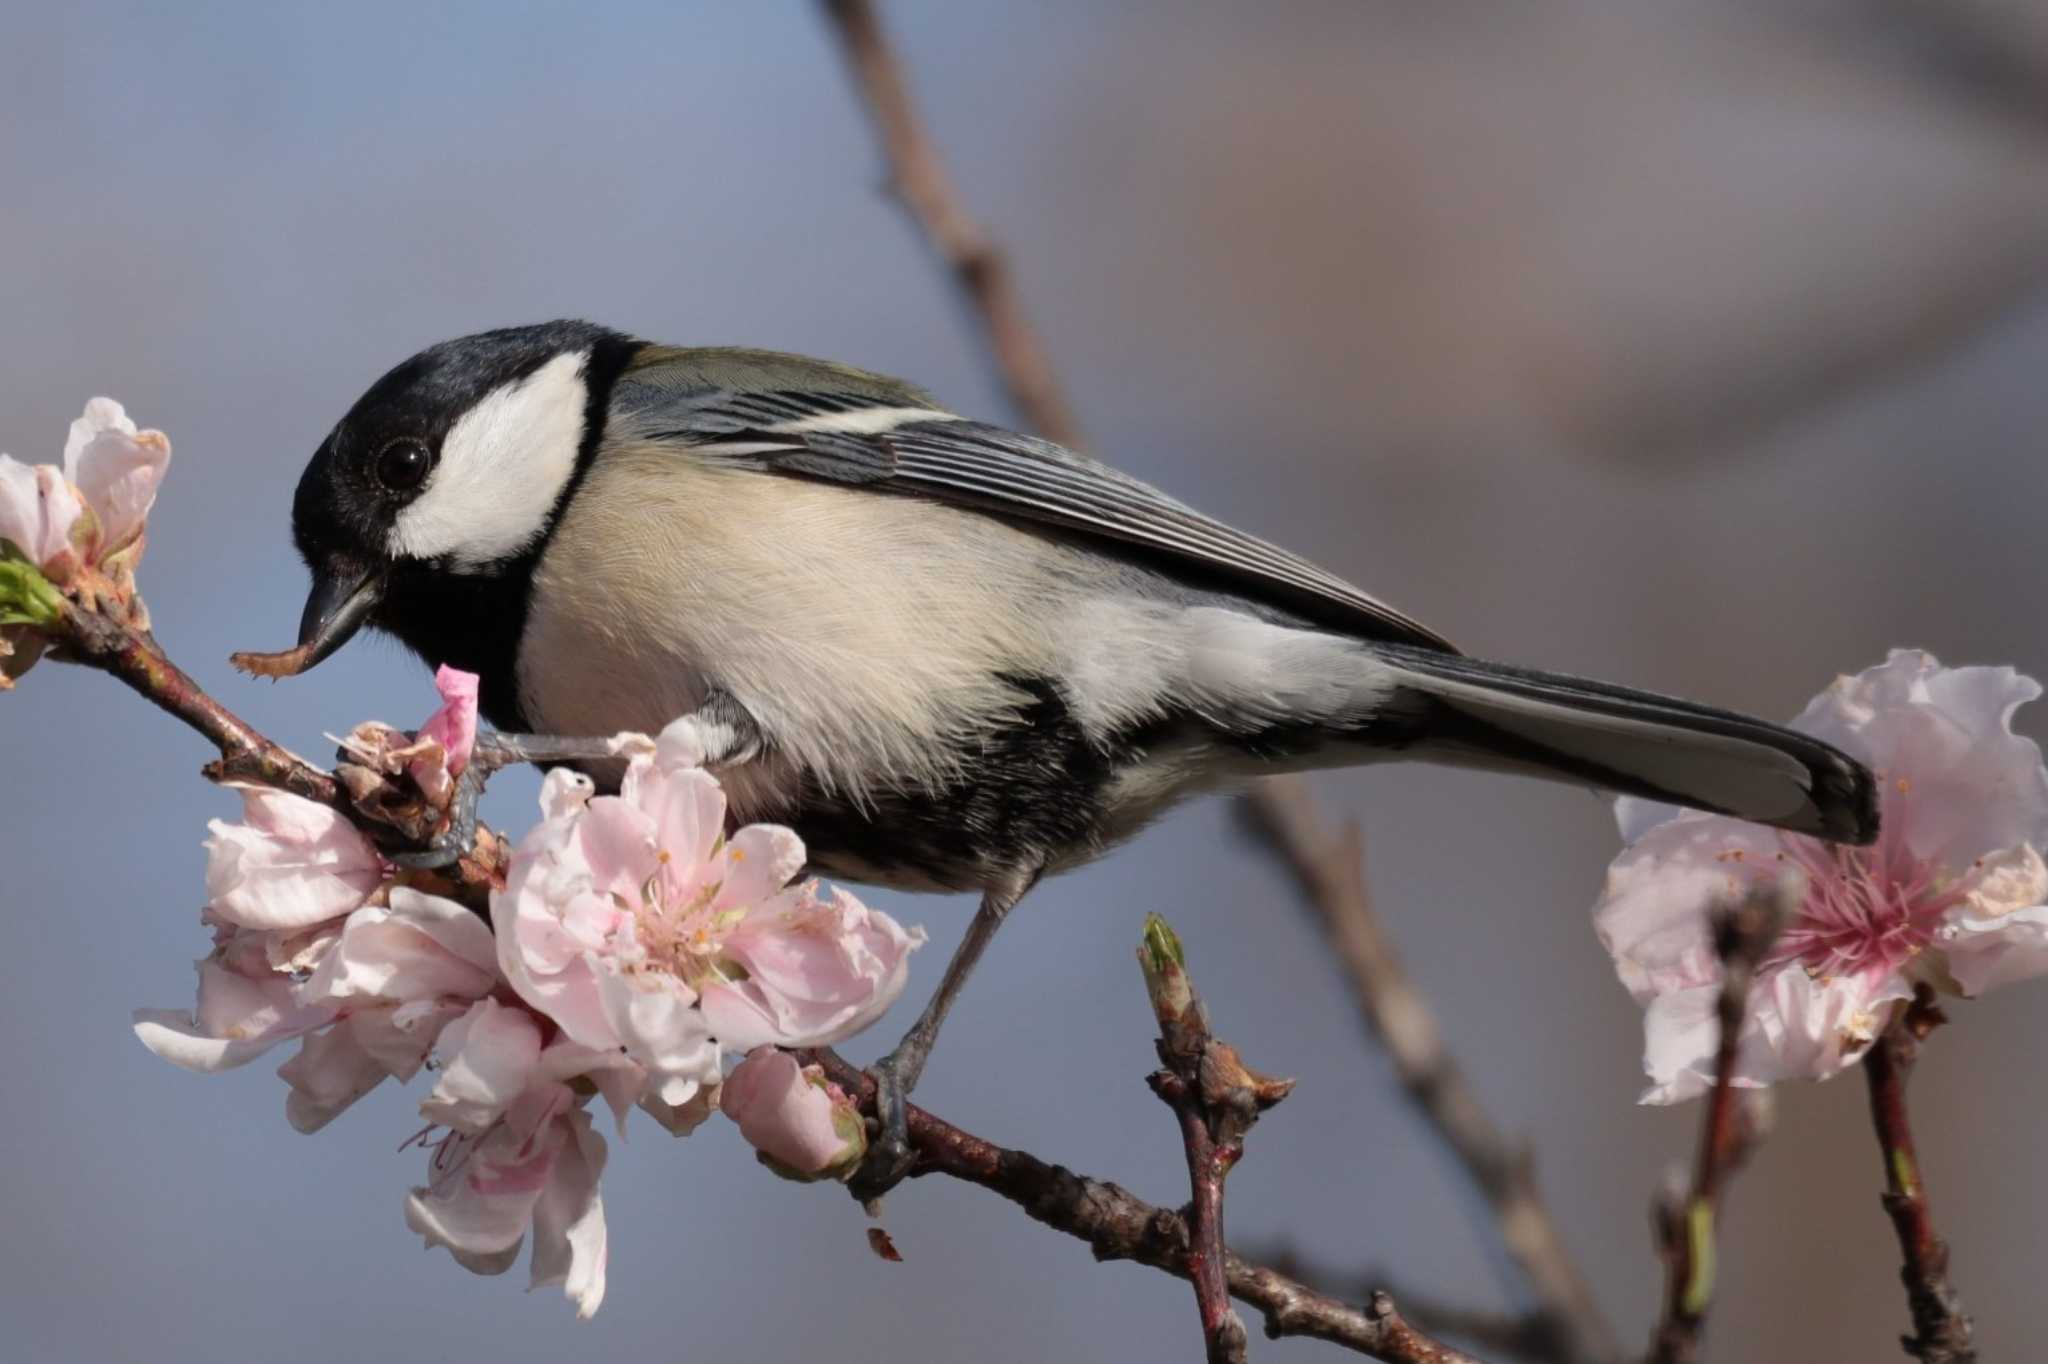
(901, 445)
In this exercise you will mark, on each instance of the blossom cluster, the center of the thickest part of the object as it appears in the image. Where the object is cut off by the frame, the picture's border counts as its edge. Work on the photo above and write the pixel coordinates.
(1953, 895)
(635, 946)
(78, 528)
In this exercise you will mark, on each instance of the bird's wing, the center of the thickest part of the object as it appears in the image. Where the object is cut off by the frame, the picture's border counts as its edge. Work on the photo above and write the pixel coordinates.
(875, 435)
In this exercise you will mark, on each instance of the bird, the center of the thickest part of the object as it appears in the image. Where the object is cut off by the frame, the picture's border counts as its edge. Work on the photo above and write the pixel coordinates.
(951, 656)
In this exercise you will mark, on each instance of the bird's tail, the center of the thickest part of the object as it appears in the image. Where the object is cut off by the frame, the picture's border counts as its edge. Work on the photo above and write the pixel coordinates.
(1488, 715)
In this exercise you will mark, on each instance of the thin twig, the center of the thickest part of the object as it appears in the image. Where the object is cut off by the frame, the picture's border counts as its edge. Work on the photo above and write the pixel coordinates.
(1329, 869)
(133, 657)
(978, 265)
(1216, 1098)
(1942, 1330)
(1521, 1334)
(1729, 1135)
(1118, 1225)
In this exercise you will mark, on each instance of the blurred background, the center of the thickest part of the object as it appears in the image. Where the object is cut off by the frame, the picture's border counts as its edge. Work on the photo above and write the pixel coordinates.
(1693, 345)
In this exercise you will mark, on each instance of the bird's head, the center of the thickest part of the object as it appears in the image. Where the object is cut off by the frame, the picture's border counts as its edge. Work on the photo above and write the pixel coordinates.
(448, 471)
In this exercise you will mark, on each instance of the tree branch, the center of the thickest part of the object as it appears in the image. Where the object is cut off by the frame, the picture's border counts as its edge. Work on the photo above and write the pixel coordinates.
(133, 657)
(1733, 1127)
(1521, 1334)
(1118, 1225)
(1329, 869)
(1216, 1098)
(1942, 1330)
(978, 266)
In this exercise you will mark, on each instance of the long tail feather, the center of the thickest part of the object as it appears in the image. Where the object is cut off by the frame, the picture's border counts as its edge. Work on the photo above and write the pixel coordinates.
(1637, 743)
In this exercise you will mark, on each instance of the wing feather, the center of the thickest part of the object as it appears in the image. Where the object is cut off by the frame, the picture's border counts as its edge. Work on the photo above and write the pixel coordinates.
(876, 440)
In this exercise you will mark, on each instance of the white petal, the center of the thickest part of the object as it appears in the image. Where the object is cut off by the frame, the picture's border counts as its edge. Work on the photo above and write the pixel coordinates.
(568, 1222)
(175, 1036)
(330, 1072)
(1984, 953)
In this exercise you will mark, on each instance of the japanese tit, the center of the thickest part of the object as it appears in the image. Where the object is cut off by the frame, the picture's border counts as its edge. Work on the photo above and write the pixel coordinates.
(949, 655)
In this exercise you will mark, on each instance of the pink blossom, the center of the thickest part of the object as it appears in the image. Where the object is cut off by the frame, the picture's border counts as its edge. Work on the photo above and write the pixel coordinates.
(80, 526)
(369, 994)
(802, 1125)
(816, 967)
(535, 1166)
(116, 469)
(37, 512)
(1951, 895)
(249, 1000)
(289, 864)
(623, 914)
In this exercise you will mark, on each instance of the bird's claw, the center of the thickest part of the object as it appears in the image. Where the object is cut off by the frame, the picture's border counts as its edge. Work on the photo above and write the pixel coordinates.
(454, 840)
(889, 1158)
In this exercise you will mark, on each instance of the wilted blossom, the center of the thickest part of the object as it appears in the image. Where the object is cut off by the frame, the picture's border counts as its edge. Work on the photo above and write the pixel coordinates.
(80, 526)
(1951, 895)
(804, 1126)
(433, 757)
(637, 924)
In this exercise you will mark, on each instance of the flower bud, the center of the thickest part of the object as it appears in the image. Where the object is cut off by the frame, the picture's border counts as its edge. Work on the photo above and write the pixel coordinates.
(803, 1126)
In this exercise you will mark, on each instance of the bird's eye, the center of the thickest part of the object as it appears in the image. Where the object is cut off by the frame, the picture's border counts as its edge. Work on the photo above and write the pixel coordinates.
(403, 465)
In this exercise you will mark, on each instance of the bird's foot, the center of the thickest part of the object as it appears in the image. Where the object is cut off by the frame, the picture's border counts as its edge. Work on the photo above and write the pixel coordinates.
(454, 840)
(889, 1159)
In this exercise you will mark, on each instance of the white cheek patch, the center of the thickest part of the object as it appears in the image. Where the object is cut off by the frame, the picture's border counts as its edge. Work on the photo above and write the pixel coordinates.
(503, 465)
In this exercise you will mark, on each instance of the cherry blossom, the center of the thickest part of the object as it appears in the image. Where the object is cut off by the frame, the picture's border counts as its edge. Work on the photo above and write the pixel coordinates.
(78, 528)
(1951, 895)
(290, 863)
(637, 924)
(535, 1167)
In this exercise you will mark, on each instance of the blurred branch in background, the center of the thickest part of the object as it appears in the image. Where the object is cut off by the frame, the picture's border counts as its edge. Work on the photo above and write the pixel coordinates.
(1942, 1331)
(1735, 1123)
(1561, 1321)
(1989, 55)
(979, 267)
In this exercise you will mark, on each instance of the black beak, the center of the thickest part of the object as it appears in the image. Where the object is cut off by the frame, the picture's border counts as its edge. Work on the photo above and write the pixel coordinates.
(340, 603)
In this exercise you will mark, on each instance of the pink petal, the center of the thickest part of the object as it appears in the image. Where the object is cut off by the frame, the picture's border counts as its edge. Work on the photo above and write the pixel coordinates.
(290, 864)
(37, 511)
(117, 469)
(568, 1221)
(820, 966)
(1957, 782)
(787, 1113)
(760, 860)
(255, 1006)
(490, 1052)
(483, 1189)
(419, 947)
(453, 726)
(653, 1018)
(330, 1072)
(1652, 913)
(176, 1036)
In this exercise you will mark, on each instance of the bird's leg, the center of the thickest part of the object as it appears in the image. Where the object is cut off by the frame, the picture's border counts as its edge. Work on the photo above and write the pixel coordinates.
(725, 735)
(896, 1074)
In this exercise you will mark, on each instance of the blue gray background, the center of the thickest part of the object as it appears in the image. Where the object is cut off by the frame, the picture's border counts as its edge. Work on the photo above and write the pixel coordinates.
(1693, 345)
